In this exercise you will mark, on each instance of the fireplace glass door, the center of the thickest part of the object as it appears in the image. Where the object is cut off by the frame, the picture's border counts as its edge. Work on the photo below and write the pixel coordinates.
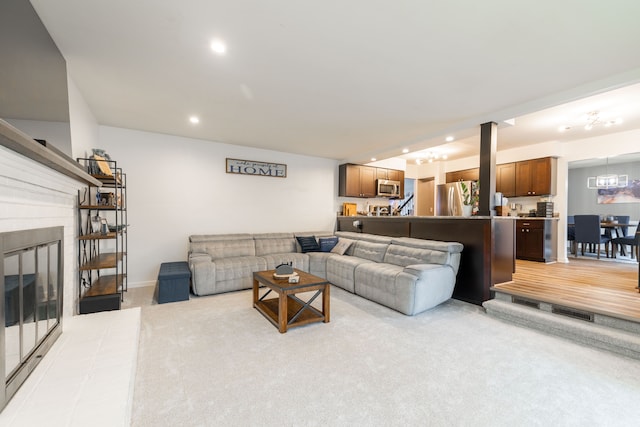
(31, 282)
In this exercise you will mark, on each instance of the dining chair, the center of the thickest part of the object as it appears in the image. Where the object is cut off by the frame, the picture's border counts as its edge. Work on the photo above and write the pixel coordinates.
(571, 233)
(587, 231)
(632, 241)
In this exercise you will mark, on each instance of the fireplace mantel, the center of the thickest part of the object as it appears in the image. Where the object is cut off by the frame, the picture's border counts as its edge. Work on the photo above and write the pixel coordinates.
(20, 142)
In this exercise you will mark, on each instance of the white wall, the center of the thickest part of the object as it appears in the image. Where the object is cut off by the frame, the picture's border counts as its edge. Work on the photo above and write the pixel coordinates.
(583, 200)
(83, 124)
(178, 186)
(55, 133)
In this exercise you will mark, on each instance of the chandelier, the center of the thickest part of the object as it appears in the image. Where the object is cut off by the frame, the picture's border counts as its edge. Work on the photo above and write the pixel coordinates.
(429, 157)
(607, 180)
(592, 120)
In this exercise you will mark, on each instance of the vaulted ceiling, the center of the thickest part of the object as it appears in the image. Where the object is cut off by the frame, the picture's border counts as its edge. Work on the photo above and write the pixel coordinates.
(347, 80)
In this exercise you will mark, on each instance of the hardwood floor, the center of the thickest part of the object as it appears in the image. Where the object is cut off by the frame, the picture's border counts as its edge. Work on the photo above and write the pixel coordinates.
(603, 287)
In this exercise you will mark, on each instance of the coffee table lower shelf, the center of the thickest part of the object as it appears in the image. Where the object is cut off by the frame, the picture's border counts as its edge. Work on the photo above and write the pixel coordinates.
(287, 309)
(270, 309)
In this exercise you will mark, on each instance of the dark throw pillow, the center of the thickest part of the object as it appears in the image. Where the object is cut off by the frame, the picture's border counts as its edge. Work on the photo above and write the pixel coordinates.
(327, 243)
(308, 244)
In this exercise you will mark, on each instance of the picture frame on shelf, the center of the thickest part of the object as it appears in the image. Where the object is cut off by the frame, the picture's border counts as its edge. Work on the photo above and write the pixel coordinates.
(104, 227)
(95, 224)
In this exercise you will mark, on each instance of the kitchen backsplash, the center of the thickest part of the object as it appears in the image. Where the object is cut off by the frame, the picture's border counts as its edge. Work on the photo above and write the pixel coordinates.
(525, 204)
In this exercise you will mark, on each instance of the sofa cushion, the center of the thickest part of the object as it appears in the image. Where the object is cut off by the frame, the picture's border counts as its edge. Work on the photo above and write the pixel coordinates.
(377, 282)
(223, 245)
(297, 260)
(364, 236)
(318, 263)
(327, 243)
(200, 238)
(436, 245)
(341, 268)
(308, 244)
(404, 255)
(233, 268)
(369, 250)
(274, 243)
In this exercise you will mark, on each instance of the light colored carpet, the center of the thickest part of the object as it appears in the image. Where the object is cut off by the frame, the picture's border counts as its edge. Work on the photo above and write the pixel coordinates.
(215, 361)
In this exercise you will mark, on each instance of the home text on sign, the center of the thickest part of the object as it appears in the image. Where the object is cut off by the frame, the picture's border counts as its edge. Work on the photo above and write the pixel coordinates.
(249, 167)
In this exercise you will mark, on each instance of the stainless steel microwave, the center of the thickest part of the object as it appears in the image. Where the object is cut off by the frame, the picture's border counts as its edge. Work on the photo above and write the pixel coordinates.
(387, 188)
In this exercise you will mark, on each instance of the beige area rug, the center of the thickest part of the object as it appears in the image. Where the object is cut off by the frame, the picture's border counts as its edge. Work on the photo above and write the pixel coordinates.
(215, 361)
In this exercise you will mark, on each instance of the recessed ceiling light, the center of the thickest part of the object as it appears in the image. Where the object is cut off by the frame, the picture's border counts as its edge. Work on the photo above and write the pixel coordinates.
(449, 139)
(373, 159)
(218, 47)
(405, 150)
(194, 120)
(445, 157)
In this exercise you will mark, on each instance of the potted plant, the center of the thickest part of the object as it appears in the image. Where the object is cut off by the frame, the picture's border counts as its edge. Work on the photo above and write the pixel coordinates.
(470, 197)
(467, 204)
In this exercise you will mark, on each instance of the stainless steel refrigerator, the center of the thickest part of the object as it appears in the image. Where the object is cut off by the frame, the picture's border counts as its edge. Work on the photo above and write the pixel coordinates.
(449, 198)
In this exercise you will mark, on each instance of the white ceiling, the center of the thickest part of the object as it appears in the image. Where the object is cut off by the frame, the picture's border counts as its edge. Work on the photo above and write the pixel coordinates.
(346, 80)
(543, 125)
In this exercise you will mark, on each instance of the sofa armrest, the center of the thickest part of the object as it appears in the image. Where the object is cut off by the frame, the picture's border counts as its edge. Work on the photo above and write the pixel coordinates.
(199, 257)
(203, 271)
(423, 270)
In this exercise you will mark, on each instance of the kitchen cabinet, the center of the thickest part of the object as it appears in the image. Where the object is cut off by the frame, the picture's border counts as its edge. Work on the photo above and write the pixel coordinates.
(506, 179)
(392, 175)
(397, 175)
(536, 177)
(357, 180)
(360, 180)
(536, 239)
(463, 175)
(382, 173)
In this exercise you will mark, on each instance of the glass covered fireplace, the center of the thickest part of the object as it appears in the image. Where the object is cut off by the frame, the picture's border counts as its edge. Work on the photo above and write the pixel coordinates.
(31, 282)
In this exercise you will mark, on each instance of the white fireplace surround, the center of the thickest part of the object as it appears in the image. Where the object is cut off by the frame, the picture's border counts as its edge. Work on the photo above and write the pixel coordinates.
(33, 195)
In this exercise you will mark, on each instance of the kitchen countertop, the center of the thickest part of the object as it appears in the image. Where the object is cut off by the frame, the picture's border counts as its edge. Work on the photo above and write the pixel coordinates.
(535, 218)
(453, 217)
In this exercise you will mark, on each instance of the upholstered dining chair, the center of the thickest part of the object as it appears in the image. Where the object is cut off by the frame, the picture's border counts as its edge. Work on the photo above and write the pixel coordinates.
(587, 229)
(632, 240)
(571, 233)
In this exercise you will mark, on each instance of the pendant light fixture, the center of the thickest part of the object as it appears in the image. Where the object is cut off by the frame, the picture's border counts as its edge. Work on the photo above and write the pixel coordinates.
(607, 180)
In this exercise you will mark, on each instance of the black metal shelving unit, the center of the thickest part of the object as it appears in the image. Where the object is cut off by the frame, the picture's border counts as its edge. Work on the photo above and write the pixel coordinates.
(102, 248)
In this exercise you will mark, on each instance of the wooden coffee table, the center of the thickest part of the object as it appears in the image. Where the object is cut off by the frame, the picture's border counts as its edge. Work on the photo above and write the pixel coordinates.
(287, 310)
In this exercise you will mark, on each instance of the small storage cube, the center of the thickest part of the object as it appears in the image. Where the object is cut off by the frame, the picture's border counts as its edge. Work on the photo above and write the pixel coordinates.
(173, 282)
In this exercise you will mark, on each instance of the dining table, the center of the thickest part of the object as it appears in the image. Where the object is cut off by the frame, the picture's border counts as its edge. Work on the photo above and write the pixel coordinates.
(614, 226)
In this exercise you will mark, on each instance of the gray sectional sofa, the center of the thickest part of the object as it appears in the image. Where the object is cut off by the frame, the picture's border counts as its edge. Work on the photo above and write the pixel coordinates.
(405, 274)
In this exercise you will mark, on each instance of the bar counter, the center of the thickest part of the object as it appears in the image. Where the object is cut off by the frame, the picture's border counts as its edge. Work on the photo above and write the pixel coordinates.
(488, 256)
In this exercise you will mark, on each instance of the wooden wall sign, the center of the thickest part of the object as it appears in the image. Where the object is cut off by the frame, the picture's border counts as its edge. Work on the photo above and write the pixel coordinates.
(249, 167)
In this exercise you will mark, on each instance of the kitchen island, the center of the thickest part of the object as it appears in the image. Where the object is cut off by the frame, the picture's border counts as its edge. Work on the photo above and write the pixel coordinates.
(488, 257)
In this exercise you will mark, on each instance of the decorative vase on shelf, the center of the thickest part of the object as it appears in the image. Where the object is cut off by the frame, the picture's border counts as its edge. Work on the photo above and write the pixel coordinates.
(467, 210)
